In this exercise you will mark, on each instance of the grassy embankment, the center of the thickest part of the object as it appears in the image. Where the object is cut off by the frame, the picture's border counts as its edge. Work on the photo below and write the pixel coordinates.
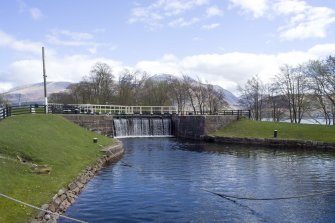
(45, 140)
(245, 128)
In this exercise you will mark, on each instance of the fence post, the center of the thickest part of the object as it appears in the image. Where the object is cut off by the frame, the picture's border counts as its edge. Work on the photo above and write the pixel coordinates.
(9, 111)
(249, 114)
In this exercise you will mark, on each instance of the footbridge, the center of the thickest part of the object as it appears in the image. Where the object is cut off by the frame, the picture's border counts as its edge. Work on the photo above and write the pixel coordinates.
(136, 110)
(111, 109)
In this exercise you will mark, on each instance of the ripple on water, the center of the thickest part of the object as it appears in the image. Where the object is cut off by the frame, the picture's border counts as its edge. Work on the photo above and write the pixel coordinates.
(162, 180)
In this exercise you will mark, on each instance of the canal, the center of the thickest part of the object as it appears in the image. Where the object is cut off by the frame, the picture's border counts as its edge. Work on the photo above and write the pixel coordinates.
(168, 180)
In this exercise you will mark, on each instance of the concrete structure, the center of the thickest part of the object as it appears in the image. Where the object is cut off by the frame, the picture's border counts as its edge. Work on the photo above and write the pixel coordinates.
(194, 127)
(102, 124)
(188, 127)
(273, 143)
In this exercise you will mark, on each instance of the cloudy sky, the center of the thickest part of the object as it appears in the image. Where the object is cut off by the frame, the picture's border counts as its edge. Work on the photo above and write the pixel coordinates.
(222, 42)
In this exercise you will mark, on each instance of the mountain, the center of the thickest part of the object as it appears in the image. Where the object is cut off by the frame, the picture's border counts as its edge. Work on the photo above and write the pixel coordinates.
(229, 97)
(34, 93)
(162, 77)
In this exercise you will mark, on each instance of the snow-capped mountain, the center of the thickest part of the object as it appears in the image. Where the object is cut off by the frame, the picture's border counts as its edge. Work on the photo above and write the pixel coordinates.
(229, 97)
(34, 93)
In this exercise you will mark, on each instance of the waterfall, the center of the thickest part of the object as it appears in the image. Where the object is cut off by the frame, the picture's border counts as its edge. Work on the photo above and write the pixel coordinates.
(142, 127)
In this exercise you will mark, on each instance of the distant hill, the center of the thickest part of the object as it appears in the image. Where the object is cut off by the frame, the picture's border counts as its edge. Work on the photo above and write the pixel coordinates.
(229, 97)
(34, 93)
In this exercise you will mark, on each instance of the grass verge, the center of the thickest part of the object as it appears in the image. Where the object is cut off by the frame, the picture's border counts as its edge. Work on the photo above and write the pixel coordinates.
(245, 128)
(46, 140)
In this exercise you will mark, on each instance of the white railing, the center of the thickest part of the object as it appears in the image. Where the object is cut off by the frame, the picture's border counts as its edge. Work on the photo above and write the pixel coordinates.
(114, 109)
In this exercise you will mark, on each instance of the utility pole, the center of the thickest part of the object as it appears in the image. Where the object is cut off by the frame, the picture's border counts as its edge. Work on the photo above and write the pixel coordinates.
(45, 83)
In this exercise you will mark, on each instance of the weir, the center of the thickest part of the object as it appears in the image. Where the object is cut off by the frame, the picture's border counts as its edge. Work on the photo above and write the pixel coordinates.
(142, 127)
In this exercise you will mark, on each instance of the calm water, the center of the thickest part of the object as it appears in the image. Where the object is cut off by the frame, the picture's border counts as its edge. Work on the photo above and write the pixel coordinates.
(164, 180)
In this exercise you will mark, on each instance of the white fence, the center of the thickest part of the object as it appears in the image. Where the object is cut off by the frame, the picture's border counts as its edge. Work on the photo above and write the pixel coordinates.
(111, 109)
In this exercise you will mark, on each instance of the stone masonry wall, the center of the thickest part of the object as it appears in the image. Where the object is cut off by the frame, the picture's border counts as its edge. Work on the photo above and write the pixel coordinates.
(101, 124)
(273, 143)
(194, 127)
(66, 196)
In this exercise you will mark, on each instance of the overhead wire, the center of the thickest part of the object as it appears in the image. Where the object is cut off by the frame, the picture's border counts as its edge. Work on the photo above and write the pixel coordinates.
(270, 198)
(40, 209)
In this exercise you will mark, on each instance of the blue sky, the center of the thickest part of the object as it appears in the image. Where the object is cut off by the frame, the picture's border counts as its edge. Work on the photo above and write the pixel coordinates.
(222, 42)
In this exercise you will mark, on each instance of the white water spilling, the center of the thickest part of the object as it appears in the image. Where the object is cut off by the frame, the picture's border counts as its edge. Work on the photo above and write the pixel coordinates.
(142, 127)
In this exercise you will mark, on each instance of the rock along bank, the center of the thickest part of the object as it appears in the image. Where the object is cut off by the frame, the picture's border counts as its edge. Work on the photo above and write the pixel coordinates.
(66, 196)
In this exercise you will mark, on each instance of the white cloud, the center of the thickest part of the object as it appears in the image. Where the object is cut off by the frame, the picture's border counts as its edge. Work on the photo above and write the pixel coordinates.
(69, 38)
(19, 45)
(154, 14)
(71, 68)
(232, 69)
(4, 87)
(305, 21)
(322, 50)
(289, 6)
(211, 26)
(257, 7)
(302, 20)
(35, 13)
(76, 39)
(214, 11)
(181, 22)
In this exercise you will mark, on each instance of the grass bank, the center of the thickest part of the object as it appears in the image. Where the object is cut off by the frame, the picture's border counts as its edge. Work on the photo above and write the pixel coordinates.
(45, 140)
(245, 128)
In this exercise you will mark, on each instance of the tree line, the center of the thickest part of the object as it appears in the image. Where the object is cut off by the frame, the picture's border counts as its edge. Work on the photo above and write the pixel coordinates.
(297, 92)
(138, 88)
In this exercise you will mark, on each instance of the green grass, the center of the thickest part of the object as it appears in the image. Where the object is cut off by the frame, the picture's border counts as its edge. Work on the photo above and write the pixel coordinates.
(42, 139)
(245, 128)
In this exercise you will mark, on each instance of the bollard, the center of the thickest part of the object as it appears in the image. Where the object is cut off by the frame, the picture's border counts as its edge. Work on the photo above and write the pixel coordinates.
(275, 133)
(95, 140)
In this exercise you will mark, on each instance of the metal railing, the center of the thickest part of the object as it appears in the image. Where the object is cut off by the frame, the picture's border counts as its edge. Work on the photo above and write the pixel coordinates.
(240, 113)
(111, 109)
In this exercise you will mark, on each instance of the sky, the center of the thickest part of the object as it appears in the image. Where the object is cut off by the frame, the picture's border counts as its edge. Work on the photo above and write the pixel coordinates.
(222, 42)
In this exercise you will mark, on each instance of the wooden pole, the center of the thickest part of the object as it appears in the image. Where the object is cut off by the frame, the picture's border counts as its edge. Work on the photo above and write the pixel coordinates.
(45, 83)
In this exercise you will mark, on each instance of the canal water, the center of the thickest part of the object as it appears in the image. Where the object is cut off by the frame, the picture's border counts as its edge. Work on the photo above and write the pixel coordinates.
(167, 180)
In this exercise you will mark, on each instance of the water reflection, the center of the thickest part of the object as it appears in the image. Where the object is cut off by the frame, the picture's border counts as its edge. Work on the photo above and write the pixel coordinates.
(163, 180)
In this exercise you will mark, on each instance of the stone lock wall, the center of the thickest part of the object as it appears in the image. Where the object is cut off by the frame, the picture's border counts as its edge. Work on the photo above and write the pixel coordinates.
(194, 127)
(101, 124)
(274, 143)
(188, 127)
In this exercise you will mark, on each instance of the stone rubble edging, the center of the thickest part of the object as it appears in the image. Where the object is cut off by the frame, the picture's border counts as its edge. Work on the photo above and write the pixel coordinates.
(66, 196)
(272, 142)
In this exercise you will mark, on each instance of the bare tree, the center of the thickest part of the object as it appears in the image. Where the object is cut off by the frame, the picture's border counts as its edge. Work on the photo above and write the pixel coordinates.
(3, 100)
(188, 83)
(200, 95)
(179, 93)
(322, 74)
(62, 98)
(156, 93)
(252, 97)
(130, 87)
(101, 77)
(293, 84)
(274, 103)
(215, 99)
